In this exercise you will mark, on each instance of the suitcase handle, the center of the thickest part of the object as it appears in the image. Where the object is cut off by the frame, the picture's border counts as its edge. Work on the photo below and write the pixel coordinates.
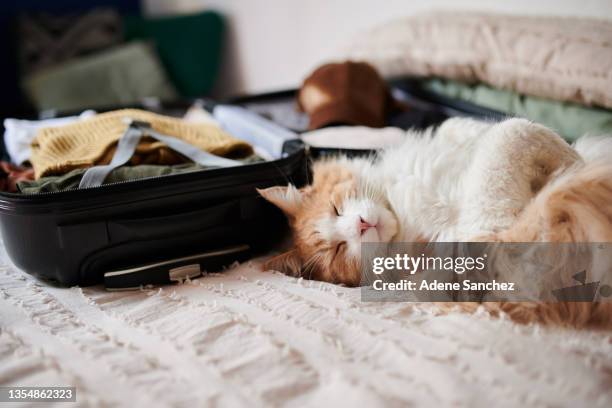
(174, 270)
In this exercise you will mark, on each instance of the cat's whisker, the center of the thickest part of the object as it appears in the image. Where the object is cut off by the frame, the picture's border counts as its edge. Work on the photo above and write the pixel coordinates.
(310, 264)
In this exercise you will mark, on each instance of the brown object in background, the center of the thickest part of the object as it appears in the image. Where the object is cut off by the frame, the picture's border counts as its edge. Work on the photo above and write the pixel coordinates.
(11, 174)
(351, 93)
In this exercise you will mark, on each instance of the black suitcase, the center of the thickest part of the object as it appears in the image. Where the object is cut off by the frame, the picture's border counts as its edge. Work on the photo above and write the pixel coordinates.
(149, 231)
(165, 229)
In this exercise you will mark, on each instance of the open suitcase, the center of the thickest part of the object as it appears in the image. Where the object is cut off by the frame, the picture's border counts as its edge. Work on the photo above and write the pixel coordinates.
(165, 229)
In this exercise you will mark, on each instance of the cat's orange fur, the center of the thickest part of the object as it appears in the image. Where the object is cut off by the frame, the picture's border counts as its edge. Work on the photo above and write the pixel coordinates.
(575, 207)
(313, 258)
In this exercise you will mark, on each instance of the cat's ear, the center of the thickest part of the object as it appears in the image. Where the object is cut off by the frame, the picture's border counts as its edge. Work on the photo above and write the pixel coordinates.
(289, 199)
(288, 263)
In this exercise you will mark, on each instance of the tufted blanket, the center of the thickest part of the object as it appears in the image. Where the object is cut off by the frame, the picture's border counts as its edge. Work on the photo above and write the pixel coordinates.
(251, 338)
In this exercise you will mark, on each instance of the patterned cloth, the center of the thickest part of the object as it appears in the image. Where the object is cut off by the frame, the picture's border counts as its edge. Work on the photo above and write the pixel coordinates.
(121, 76)
(46, 40)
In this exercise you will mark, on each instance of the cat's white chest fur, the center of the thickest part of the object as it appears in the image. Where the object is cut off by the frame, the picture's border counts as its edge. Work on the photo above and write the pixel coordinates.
(468, 178)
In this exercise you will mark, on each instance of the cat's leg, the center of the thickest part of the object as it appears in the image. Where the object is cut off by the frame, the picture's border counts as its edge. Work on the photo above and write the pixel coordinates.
(577, 207)
(571, 314)
(513, 160)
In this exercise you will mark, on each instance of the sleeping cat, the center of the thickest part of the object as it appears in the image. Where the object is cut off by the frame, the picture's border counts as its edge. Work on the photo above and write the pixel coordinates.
(468, 180)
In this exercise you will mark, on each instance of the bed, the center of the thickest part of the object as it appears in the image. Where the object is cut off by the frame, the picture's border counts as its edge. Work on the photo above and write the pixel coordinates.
(249, 337)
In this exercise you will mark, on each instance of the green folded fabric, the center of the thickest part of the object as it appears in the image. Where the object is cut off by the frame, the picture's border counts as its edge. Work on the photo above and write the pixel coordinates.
(119, 76)
(189, 47)
(570, 120)
(71, 180)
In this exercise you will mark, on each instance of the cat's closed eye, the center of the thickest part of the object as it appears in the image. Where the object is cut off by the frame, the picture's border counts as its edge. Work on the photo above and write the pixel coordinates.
(339, 247)
(336, 210)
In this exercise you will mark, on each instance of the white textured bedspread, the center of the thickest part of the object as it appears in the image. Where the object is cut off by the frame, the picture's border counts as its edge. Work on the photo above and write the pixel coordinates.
(252, 338)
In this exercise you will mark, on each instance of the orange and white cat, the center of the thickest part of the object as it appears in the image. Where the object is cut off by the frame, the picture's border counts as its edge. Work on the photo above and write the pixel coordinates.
(469, 180)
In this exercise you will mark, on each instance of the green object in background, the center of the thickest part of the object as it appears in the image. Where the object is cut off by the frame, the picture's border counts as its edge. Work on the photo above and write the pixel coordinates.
(570, 120)
(121, 75)
(189, 47)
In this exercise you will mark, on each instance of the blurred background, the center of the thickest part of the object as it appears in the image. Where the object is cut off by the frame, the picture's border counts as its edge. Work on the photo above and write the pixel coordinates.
(274, 44)
(189, 48)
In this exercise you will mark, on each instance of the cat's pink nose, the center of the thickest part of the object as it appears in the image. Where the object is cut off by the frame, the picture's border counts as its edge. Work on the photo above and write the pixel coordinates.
(364, 226)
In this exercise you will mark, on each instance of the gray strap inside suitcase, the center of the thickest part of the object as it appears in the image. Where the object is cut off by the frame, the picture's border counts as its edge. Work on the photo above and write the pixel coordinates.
(126, 147)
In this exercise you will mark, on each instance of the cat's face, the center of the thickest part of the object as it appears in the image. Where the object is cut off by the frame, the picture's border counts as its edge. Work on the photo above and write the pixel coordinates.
(329, 220)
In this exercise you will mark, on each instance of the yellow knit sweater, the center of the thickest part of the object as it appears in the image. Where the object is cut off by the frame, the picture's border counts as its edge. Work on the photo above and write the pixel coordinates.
(60, 149)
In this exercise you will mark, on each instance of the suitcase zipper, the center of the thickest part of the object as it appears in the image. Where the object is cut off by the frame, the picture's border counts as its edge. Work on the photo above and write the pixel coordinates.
(273, 166)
